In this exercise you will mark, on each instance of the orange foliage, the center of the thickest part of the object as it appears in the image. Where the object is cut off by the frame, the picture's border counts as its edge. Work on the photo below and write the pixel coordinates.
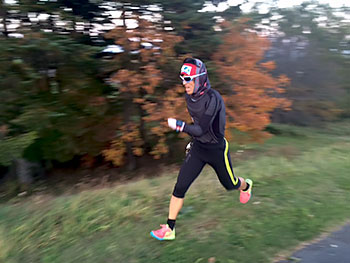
(269, 65)
(250, 92)
(172, 104)
(137, 84)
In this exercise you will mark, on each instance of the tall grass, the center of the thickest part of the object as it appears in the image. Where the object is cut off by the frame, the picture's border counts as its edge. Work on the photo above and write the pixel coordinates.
(301, 188)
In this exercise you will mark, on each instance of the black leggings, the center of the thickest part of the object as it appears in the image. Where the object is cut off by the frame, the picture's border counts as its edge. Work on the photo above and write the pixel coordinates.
(217, 156)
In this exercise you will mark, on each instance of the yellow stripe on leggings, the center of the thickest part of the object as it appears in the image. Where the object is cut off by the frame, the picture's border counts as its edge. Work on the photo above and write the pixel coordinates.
(227, 163)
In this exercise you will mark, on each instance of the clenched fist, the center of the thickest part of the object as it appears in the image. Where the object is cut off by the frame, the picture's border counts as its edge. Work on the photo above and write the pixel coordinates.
(176, 125)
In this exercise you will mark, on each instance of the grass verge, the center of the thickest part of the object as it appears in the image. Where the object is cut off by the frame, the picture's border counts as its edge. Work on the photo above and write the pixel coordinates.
(301, 188)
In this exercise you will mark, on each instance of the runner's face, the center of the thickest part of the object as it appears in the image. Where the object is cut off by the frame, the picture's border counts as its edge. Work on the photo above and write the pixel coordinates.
(189, 87)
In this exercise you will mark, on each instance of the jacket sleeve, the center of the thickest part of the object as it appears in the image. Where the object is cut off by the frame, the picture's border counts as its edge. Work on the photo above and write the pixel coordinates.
(205, 121)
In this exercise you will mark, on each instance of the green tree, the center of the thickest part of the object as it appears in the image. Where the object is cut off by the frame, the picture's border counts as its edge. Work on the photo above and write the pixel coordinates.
(313, 59)
(51, 85)
(13, 147)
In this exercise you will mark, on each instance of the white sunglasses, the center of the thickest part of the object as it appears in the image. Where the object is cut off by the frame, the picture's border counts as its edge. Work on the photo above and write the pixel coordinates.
(188, 79)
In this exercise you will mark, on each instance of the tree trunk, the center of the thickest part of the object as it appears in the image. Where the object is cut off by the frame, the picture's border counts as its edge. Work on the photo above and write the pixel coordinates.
(143, 133)
(130, 155)
(23, 171)
(3, 14)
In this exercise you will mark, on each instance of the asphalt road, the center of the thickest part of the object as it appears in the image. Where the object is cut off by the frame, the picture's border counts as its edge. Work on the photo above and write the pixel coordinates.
(334, 248)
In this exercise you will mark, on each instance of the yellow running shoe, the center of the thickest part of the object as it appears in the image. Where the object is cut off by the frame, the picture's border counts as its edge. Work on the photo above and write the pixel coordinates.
(164, 233)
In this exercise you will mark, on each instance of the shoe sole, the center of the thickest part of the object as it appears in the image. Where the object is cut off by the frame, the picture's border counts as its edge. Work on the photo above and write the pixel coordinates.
(160, 239)
(153, 235)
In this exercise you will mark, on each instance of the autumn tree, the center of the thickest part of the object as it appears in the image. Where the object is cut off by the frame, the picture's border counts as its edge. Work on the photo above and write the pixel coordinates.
(141, 85)
(250, 92)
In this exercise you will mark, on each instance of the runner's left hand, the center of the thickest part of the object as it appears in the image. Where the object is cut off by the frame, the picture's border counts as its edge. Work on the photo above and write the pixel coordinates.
(176, 125)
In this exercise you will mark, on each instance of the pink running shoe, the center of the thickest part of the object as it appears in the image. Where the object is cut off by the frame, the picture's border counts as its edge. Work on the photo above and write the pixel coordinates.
(165, 233)
(246, 195)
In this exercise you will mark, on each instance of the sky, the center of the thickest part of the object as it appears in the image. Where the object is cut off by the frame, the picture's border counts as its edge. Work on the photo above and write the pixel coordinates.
(265, 5)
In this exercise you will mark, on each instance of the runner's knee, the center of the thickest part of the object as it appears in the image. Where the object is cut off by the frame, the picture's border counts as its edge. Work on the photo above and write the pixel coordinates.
(180, 190)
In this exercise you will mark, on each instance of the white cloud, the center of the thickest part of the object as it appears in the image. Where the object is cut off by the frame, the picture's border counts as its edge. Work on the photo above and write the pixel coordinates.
(288, 3)
(335, 3)
(265, 6)
(10, 2)
(113, 49)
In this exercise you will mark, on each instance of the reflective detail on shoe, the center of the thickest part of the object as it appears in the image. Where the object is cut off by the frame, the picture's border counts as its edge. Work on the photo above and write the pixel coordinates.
(244, 196)
(164, 233)
(228, 166)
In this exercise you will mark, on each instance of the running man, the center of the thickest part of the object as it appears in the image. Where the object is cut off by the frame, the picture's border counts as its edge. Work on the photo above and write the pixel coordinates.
(209, 145)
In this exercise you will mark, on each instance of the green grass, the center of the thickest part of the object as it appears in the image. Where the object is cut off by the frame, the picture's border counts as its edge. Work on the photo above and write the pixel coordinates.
(301, 189)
